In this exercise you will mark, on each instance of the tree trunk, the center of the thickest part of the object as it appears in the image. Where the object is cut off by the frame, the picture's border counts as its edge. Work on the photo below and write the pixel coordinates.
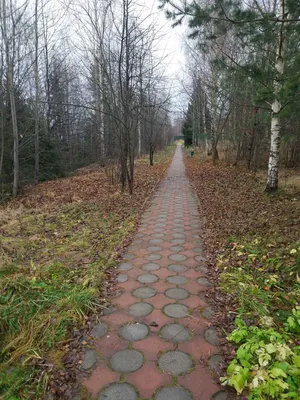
(2, 136)
(207, 142)
(273, 166)
(36, 77)
(10, 87)
(15, 131)
(2, 117)
(215, 154)
(252, 140)
(151, 154)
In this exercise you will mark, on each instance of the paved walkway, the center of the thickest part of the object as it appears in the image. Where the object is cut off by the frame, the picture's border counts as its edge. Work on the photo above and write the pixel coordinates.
(156, 341)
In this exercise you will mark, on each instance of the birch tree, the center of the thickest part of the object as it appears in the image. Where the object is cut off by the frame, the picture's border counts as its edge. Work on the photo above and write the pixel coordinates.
(258, 27)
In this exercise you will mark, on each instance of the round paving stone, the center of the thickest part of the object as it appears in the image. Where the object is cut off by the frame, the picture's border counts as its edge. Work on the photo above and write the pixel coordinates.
(134, 332)
(128, 256)
(200, 258)
(122, 278)
(99, 330)
(126, 361)
(133, 247)
(144, 292)
(175, 333)
(176, 310)
(153, 257)
(140, 309)
(150, 267)
(204, 281)
(118, 292)
(178, 225)
(202, 268)
(178, 235)
(175, 363)
(178, 220)
(109, 310)
(177, 241)
(203, 296)
(177, 268)
(89, 359)
(155, 241)
(154, 249)
(177, 257)
(160, 225)
(197, 250)
(157, 235)
(211, 336)
(178, 230)
(177, 293)
(125, 266)
(215, 361)
(173, 393)
(177, 280)
(147, 278)
(137, 241)
(208, 313)
(118, 391)
(176, 248)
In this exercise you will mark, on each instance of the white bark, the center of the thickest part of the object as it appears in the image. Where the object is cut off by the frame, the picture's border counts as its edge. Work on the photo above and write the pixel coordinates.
(10, 86)
(207, 142)
(273, 165)
(36, 78)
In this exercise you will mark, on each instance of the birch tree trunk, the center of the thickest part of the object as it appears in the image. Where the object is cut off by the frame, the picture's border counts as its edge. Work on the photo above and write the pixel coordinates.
(36, 78)
(273, 165)
(10, 87)
(2, 92)
(207, 142)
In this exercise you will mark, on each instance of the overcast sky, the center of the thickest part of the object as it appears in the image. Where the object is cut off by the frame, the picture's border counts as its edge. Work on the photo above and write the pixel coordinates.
(171, 45)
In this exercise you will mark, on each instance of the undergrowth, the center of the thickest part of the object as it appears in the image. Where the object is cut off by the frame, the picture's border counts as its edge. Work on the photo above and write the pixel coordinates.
(51, 273)
(57, 241)
(262, 278)
(253, 246)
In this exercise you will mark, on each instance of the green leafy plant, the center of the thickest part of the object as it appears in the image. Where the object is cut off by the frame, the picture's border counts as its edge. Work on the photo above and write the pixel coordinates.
(264, 365)
(293, 322)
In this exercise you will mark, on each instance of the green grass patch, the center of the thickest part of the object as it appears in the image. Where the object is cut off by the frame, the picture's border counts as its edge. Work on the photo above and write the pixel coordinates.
(51, 269)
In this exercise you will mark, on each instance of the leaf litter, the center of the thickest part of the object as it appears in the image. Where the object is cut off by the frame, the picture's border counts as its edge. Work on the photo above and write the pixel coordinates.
(60, 242)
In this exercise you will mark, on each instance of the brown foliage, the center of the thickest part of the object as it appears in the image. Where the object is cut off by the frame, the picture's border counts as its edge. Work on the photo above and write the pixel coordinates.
(233, 203)
(91, 184)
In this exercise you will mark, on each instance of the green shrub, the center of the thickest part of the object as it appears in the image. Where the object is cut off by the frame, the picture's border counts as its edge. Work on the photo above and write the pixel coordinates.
(265, 364)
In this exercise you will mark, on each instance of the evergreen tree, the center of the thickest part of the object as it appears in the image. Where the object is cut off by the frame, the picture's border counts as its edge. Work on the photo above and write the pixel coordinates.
(266, 38)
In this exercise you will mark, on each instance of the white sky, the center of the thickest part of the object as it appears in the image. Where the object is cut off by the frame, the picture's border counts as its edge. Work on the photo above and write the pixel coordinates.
(171, 48)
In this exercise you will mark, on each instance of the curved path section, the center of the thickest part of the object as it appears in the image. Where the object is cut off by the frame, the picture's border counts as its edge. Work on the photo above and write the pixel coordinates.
(156, 341)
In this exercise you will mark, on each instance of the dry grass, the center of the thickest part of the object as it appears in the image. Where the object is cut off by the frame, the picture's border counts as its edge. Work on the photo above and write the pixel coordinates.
(57, 241)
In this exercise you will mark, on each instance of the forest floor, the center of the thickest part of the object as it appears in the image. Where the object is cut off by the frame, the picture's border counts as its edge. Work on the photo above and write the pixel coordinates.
(58, 241)
(252, 243)
(60, 238)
